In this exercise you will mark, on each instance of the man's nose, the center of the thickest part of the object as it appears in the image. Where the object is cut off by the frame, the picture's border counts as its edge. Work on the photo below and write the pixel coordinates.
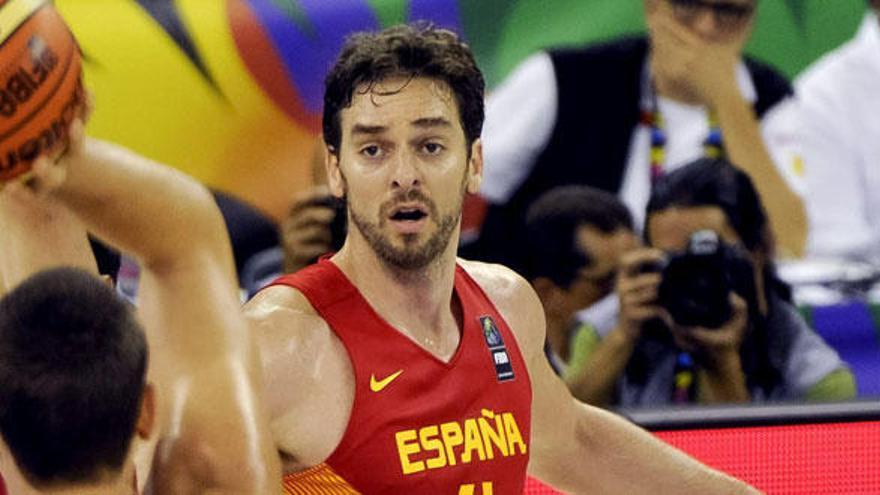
(405, 173)
(705, 23)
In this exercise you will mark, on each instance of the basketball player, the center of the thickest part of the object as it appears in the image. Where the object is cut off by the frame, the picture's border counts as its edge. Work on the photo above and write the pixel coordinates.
(392, 367)
(73, 389)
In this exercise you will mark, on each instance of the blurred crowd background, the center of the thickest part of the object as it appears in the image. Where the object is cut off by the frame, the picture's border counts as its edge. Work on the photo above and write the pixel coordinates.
(230, 92)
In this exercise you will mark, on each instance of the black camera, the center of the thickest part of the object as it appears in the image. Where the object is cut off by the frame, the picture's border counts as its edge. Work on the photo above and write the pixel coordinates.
(696, 284)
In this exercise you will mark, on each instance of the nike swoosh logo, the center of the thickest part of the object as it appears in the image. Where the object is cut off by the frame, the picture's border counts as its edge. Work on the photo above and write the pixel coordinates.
(378, 385)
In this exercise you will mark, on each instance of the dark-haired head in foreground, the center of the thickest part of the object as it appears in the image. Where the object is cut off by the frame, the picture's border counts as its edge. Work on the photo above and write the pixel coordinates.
(73, 363)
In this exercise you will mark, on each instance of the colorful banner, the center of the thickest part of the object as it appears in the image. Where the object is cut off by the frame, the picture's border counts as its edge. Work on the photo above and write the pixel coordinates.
(230, 90)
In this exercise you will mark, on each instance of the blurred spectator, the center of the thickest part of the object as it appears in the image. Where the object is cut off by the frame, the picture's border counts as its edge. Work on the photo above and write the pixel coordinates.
(840, 104)
(615, 115)
(576, 235)
(314, 225)
(762, 350)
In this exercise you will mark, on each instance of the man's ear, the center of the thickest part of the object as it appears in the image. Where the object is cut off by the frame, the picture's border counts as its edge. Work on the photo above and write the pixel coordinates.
(147, 417)
(475, 167)
(334, 174)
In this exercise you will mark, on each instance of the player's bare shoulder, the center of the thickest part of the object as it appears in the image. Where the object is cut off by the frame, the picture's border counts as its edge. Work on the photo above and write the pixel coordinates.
(498, 281)
(290, 334)
(307, 375)
(279, 307)
(513, 296)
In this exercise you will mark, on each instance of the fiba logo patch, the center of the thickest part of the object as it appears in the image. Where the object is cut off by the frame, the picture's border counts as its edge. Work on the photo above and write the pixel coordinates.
(490, 331)
(497, 349)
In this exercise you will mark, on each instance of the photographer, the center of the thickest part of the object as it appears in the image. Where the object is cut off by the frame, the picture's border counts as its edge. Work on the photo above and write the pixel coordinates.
(576, 238)
(710, 263)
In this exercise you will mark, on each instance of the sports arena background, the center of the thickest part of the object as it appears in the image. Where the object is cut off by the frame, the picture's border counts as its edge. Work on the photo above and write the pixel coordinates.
(230, 90)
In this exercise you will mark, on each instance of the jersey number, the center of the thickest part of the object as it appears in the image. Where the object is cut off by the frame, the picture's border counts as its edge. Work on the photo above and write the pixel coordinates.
(486, 487)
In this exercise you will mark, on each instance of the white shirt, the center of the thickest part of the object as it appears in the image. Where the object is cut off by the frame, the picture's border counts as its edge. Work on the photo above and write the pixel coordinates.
(522, 112)
(839, 101)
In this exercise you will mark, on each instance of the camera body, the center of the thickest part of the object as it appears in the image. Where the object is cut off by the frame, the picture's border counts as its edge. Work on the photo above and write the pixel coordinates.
(696, 284)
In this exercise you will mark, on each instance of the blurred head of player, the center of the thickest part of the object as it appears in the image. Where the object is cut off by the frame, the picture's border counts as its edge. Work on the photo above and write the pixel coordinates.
(73, 389)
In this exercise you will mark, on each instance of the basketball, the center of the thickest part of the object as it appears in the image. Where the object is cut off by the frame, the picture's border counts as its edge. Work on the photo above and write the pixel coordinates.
(40, 85)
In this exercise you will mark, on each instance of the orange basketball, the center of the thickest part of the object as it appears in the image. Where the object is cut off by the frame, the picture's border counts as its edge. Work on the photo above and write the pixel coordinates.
(40, 85)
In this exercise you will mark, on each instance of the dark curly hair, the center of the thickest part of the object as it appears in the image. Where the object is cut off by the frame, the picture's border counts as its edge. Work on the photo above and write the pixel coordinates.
(418, 50)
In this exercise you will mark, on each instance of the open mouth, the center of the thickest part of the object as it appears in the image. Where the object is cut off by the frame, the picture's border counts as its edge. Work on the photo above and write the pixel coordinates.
(408, 214)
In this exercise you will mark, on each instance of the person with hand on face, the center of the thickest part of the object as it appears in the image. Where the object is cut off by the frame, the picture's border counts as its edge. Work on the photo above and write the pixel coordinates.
(673, 346)
(76, 396)
(620, 114)
(395, 367)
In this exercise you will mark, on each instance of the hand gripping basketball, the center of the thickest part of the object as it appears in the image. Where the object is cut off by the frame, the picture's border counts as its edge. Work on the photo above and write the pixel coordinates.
(41, 90)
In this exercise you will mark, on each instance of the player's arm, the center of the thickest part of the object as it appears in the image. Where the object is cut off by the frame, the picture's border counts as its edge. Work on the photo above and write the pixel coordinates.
(583, 449)
(308, 376)
(747, 149)
(189, 303)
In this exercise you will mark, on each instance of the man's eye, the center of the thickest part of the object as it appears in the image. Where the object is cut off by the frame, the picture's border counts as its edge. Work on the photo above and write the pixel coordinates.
(371, 151)
(432, 148)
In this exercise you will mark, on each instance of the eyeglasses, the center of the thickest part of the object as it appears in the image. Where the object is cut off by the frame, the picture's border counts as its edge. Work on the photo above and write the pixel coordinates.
(729, 16)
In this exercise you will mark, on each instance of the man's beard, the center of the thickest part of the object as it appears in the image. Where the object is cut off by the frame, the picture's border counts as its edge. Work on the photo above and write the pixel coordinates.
(410, 256)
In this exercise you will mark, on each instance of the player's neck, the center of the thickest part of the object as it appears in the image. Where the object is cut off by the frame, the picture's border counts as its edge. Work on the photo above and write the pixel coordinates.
(394, 293)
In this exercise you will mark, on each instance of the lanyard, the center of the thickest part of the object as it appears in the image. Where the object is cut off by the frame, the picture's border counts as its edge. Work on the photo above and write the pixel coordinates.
(713, 145)
(684, 382)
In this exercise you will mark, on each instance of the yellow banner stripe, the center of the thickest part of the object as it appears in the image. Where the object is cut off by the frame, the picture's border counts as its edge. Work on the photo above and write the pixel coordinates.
(14, 13)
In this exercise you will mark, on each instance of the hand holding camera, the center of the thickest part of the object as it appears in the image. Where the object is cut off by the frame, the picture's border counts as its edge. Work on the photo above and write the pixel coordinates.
(638, 283)
(717, 349)
(707, 291)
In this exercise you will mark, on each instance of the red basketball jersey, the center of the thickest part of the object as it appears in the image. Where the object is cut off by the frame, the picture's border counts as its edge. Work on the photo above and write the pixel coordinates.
(419, 425)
